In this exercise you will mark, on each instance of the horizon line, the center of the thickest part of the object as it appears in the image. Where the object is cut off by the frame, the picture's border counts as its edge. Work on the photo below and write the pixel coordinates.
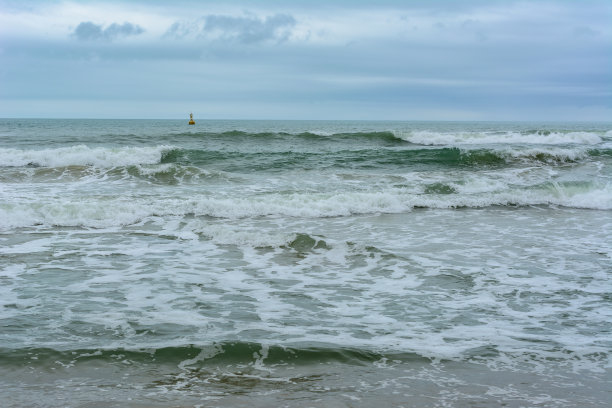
(324, 120)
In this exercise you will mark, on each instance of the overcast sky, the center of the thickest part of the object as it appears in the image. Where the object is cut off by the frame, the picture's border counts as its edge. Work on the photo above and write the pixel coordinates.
(405, 60)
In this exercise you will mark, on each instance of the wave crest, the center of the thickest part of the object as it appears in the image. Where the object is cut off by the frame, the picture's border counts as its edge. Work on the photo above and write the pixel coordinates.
(430, 138)
(82, 155)
(105, 212)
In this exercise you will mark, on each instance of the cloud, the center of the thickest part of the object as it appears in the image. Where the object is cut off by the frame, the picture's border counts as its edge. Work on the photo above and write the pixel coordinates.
(251, 29)
(510, 59)
(89, 31)
(247, 29)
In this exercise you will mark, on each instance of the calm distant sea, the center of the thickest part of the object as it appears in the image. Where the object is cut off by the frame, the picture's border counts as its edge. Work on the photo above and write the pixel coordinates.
(151, 263)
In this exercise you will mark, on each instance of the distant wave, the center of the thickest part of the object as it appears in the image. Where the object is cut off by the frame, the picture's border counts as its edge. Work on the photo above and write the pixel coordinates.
(314, 135)
(428, 137)
(468, 138)
(451, 154)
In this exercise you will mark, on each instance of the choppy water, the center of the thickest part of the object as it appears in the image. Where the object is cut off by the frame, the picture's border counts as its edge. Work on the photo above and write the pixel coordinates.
(331, 264)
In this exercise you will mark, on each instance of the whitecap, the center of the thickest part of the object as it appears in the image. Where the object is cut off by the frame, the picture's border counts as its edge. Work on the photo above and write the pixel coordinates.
(431, 138)
(82, 155)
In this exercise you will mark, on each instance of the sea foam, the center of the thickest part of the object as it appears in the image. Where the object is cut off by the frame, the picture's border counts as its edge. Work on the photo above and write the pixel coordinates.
(82, 155)
(468, 138)
(121, 211)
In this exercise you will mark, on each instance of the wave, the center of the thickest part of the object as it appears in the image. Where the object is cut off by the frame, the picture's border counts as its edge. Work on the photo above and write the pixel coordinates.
(425, 137)
(187, 162)
(194, 357)
(82, 155)
(142, 158)
(377, 157)
(117, 211)
(476, 156)
(322, 135)
(470, 138)
(155, 174)
(259, 355)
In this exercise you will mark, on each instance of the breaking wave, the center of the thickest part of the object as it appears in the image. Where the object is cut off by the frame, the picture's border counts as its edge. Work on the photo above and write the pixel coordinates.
(259, 356)
(82, 155)
(469, 138)
(192, 357)
(100, 212)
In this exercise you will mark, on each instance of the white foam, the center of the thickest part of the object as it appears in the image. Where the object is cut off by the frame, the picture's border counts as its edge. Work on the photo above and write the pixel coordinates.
(349, 295)
(545, 153)
(597, 199)
(225, 235)
(82, 155)
(205, 354)
(319, 132)
(470, 138)
(600, 198)
(64, 212)
(126, 210)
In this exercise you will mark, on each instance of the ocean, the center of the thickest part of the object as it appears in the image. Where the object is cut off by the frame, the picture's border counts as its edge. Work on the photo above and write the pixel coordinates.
(149, 263)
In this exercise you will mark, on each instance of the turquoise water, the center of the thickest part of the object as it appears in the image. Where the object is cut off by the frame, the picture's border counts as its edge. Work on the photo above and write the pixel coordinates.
(315, 263)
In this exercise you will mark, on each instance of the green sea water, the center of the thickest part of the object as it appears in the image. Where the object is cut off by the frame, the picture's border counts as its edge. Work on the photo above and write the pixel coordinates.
(305, 263)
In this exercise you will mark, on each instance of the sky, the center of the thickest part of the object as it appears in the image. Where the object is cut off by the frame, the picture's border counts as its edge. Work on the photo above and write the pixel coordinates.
(373, 60)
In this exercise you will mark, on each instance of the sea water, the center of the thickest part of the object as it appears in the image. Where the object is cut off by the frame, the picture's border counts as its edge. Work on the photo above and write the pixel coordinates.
(305, 264)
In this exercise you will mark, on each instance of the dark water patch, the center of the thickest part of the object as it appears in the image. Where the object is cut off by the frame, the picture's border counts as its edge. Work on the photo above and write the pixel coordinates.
(439, 188)
(539, 132)
(173, 156)
(452, 281)
(306, 243)
(439, 157)
(600, 152)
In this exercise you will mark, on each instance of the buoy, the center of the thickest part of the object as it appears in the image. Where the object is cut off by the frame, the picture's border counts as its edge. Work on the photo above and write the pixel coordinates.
(191, 122)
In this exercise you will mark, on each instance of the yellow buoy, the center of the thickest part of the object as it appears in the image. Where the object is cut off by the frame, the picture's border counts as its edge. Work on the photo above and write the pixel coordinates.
(191, 122)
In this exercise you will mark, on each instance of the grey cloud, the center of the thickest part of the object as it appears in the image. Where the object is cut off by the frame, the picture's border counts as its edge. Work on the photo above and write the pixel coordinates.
(251, 29)
(181, 29)
(247, 29)
(90, 31)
